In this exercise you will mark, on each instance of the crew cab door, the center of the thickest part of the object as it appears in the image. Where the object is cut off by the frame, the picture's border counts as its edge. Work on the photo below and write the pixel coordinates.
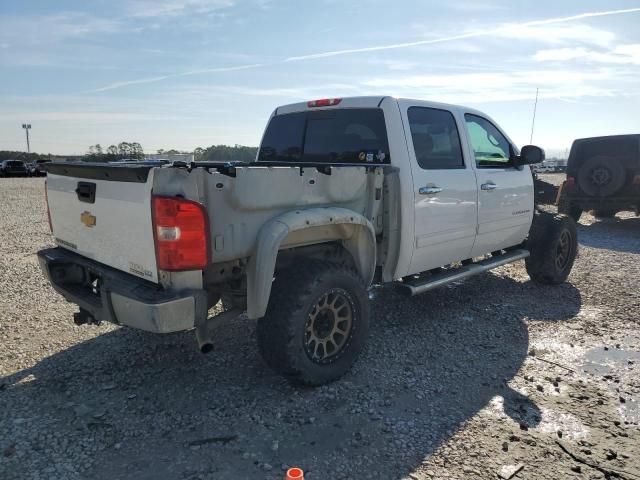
(505, 191)
(445, 191)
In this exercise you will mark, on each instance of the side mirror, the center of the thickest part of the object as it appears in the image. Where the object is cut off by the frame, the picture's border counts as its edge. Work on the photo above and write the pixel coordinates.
(530, 154)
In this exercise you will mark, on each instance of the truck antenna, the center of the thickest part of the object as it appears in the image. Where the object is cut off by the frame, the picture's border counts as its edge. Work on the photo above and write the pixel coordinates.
(533, 121)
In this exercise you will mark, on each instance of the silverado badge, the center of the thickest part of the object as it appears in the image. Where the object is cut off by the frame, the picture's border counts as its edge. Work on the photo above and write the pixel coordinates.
(88, 219)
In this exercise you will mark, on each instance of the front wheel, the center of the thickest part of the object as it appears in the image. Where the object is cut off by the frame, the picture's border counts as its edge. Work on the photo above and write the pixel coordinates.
(316, 323)
(553, 245)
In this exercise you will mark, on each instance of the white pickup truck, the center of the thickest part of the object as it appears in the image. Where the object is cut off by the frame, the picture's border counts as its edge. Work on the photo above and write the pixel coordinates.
(344, 194)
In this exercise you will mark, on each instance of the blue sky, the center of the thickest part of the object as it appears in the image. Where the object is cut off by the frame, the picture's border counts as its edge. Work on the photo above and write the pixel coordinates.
(188, 73)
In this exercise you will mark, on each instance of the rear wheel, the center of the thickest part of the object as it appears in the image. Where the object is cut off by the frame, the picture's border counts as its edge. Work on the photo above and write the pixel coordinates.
(316, 323)
(553, 245)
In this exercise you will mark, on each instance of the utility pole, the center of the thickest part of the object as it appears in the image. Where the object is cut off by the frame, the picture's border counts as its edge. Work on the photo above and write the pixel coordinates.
(27, 127)
(533, 121)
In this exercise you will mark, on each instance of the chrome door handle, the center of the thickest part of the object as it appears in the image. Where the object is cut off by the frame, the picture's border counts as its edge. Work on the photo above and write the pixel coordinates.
(488, 186)
(429, 190)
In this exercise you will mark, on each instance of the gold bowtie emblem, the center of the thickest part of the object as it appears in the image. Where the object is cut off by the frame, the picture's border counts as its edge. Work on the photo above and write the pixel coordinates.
(88, 219)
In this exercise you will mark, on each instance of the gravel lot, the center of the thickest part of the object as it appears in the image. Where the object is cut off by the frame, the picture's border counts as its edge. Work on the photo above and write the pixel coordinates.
(461, 382)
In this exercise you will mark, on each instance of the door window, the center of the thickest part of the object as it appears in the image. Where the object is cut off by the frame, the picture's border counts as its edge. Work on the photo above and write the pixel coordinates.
(435, 138)
(490, 147)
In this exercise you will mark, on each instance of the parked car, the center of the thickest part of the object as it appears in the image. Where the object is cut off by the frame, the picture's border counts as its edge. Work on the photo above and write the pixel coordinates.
(603, 176)
(344, 193)
(13, 168)
(37, 168)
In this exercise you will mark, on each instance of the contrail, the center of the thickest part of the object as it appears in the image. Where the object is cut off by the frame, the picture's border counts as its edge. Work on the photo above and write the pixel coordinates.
(126, 83)
(335, 53)
(483, 33)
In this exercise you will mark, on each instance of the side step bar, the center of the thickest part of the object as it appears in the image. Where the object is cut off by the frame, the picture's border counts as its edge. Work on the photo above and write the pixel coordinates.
(421, 285)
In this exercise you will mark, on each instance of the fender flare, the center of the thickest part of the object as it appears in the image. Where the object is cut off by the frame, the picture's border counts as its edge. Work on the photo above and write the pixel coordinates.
(352, 229)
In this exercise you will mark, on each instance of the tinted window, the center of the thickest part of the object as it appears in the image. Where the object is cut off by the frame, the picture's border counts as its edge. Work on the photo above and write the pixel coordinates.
(355, 135)
(490, 147)
(282, 141)
(435, 138)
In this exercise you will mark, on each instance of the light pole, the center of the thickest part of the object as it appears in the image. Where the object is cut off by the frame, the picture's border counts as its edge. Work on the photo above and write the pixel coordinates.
(27, 127)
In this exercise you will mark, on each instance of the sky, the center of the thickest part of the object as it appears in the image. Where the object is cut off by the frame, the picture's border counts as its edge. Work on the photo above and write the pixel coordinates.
(189, 73)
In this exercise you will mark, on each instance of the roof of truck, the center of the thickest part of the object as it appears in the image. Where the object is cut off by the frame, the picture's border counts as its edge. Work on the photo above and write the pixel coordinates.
(370, 101)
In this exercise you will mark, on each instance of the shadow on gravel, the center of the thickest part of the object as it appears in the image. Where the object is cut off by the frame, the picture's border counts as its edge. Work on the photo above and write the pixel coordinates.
(134, 405)
(617, 234)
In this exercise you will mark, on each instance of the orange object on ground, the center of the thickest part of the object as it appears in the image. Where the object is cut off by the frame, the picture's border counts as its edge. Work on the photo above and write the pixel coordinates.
(294, 473)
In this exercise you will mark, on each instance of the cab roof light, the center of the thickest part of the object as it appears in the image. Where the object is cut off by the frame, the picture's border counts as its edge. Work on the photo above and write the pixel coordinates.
(324, 102)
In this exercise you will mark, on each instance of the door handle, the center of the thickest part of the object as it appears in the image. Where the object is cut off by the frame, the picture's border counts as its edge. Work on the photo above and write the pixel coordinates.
(429, 190)
(488, 186)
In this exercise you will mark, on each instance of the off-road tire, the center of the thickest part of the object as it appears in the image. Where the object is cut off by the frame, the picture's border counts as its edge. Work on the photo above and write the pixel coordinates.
(282, 332)
(553, 245)
(604, 213)
(601, 176)
(566, 207)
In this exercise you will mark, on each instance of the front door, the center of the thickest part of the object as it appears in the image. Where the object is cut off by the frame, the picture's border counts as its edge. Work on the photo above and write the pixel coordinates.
(445, 191)
(505, 198)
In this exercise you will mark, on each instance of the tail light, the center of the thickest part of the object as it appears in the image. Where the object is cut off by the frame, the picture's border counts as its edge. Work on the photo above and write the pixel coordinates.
(325, 102)
(636, 180)
(571, 182)
(181, 232)
(46, 199)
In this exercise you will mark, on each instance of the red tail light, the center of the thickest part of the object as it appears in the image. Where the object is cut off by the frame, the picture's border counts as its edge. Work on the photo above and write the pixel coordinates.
(46, 199)
(325, 102)
(636, 180)
(181, 231)
(571, 182)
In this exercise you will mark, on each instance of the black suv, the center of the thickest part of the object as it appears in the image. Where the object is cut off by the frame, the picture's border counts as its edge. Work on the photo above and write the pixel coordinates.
(603, 176)
(12, 167)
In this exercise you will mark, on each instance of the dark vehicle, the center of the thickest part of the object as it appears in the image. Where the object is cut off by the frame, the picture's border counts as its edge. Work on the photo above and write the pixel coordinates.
(603, 176)
(37, 168)
(14, 168)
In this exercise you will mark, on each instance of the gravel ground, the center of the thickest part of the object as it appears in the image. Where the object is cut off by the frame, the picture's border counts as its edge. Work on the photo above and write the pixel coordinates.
(487, 377)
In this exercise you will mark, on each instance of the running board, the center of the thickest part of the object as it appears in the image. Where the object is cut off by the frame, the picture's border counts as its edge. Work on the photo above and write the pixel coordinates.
(417, 286)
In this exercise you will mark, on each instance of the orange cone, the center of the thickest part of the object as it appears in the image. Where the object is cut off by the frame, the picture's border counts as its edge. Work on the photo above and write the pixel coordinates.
(294, 473)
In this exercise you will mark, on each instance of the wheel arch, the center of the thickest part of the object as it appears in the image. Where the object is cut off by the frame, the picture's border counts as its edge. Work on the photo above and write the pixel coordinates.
(307, 227)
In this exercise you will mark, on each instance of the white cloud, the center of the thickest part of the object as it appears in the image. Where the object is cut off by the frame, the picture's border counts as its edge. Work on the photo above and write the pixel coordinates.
(171, 8)
(554, 33)
(622, 55)
(491, 87)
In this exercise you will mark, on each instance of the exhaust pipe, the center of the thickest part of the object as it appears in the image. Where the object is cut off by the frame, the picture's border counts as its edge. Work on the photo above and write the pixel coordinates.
(204, 329)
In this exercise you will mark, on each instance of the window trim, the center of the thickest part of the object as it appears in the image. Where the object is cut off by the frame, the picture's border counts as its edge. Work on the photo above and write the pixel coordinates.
(507, 165)
(455, 123)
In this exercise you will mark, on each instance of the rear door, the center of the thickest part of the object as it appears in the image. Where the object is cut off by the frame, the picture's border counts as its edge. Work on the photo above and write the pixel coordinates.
(505, 192)
(445, 191)
(104, 213)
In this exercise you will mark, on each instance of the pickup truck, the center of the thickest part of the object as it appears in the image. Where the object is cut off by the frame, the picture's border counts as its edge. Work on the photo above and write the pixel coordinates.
(344, 194)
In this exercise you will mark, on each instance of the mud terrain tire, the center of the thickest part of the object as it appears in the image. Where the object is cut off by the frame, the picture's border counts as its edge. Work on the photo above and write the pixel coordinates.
(553, 244)
(601, 176)
(317, 322)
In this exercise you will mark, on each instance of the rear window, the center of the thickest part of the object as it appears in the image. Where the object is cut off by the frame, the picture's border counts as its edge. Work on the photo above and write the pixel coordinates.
(355, 135)
(15, 163)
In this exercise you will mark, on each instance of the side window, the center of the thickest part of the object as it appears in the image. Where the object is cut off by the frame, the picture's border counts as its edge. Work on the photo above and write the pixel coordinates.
(282, 140)
(490, 147)
(435, 138)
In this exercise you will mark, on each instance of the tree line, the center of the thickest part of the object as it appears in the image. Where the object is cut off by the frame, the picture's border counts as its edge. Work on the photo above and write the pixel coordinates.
(122, 151)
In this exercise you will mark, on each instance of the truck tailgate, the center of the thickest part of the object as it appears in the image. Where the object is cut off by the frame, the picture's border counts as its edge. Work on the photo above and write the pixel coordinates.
(104, 213)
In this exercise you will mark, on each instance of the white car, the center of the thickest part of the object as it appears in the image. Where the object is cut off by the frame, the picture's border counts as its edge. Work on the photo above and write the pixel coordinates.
(344, 194)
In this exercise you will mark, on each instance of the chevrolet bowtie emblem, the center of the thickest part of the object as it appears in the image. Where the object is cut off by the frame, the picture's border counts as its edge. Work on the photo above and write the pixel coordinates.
(88, 219)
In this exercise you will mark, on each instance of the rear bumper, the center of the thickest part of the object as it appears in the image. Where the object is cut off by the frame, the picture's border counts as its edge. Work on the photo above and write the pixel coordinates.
(113, 296)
